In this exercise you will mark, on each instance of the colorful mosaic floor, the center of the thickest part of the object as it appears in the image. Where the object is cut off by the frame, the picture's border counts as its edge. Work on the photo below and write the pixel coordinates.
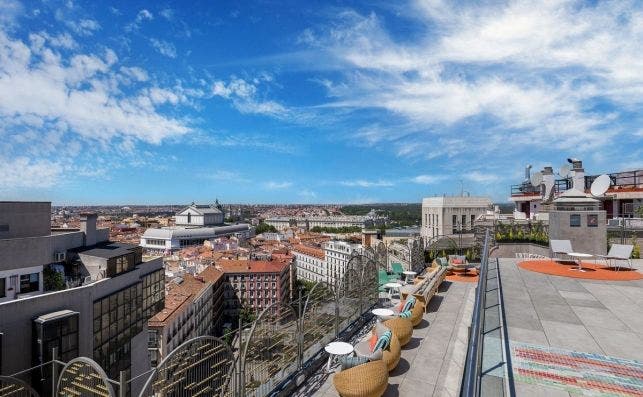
(575, 372)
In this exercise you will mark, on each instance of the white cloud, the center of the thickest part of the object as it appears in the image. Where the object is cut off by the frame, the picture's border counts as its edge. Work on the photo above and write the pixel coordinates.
(366, 183)
(22, 172)
(144, 15)
(9, 11)
(75, 106)
(135, 73)
(427, 179)
(506, 73)
(163, 47)
(84, 27)
(245, 98)
(167, 13)
(274, 185)
(482, 177)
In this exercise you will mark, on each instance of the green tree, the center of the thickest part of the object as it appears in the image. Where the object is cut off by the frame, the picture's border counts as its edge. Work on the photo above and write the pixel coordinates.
(264, 227)
(52, 280)
(639, 211)
(247, 315)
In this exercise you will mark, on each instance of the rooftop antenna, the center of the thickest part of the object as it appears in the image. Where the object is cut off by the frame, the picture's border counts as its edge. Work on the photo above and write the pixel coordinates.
(461, 188)
(600, 185)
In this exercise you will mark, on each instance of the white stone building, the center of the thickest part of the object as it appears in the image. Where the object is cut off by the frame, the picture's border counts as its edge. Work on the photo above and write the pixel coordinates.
(451, 215)
(327, 264)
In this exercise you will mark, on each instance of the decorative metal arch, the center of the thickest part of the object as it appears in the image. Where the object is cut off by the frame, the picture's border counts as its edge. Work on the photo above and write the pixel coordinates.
(14, 387)
(82, 376)
(270, 353)
(200, 366)
(318, 318)
(381, 254)
(369, 282)
(434, 240)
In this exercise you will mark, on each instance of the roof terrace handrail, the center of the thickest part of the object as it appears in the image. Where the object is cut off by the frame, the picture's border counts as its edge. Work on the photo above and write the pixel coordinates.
(470, 380)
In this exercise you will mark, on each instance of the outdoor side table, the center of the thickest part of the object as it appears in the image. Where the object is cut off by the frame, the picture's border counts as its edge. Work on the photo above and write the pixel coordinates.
(578, 257)
(382, 313)
(337, 349)
(409, 275)
(391, 287)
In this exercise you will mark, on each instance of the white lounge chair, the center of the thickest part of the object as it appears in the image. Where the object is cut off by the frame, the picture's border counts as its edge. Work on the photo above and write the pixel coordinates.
(618, 252)
(560, 247)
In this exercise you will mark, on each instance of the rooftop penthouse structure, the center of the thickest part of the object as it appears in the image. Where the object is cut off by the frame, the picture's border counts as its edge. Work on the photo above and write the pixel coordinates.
(623, 197)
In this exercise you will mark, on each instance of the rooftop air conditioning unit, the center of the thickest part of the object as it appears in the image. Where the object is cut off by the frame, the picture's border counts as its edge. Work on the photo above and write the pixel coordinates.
(59, 256)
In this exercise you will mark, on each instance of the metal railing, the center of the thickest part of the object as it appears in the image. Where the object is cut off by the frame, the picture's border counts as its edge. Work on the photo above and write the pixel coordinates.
(491, 366)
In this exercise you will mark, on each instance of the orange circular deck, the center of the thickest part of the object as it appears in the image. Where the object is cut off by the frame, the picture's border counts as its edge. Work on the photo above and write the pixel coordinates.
(463, 277)
(594, 271)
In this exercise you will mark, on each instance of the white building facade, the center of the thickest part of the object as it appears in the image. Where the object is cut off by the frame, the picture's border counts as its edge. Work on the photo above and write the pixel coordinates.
(451, 215)
(328, 264)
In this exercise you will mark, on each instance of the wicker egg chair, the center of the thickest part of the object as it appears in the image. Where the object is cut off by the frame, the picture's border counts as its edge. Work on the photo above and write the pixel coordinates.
(416, 313)
(391, 355)
(402, 328)
(365, 380)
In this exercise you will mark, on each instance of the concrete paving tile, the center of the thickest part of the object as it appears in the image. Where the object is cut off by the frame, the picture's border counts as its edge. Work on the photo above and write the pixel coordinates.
(622, 344)
(561, 313)
(415, 388)
(577, 295)
(594, 317)
(524, 335)
(570, 336)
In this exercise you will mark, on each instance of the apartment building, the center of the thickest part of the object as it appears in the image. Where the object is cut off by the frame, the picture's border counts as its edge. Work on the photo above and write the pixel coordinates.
(253, 284)
(309, 263)
(187, 314)
(326, 264)
(109, 294)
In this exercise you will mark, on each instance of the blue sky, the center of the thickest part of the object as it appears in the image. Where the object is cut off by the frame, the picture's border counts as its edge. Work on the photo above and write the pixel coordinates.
(311, 102)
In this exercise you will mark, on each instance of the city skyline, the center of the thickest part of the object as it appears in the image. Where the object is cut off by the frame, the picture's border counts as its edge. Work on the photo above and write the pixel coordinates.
(349, 102)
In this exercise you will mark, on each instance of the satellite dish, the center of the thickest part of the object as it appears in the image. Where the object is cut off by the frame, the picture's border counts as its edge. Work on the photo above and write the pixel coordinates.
(600, 185)
(536, 179)
(564, 170)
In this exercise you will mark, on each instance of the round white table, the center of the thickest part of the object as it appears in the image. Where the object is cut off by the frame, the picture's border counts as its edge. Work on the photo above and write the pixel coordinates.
(337, 349)
(409, 275)
(578, 257)
(382, 313)
(391, 287)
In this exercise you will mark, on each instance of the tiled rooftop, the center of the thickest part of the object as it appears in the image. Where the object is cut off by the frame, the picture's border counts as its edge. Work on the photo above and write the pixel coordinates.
(176, 296)
(250, 266)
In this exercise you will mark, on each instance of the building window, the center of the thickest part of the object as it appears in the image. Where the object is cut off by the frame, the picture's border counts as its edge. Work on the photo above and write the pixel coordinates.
(189, 218)
(2, 287)
(29, 283)
(592, 220)
(455, 224)
(473, 219)
(574, 220)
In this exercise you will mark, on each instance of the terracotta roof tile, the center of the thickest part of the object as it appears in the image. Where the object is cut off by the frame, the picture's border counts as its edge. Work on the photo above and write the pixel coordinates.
(250, 266)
